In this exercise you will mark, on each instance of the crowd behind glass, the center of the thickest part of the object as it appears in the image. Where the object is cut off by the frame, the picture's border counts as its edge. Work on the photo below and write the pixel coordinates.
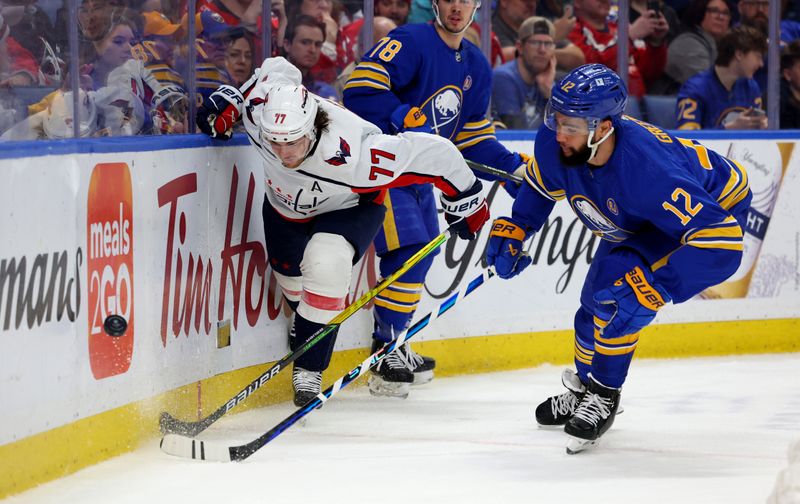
(134, 62)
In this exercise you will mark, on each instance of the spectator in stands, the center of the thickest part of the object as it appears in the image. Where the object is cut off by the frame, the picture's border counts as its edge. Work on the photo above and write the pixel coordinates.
(114, 48)
(695, 50)
(521, 87)
(322, 11)
(396, 10)
(327, 12)
(347, 40)
(213, 34)
(790, 86)
(31, 28)
(247, 14)
(639, 8)
(94, 18)
(726, 96)
(754, 13)
(161, 40)
(19, 66)
(506, 22)
(473, 34)
(239, 57)
(597, 38)
(303, 45)
(381, 26)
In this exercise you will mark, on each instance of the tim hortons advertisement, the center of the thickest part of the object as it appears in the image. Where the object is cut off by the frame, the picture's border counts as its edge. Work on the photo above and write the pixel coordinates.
(173, 242)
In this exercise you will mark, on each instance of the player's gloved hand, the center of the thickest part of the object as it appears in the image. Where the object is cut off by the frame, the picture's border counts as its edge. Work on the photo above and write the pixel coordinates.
(504, 250)
(629, 305)
(220, 111)
(466, 211)
(408, 118)
(512, 188)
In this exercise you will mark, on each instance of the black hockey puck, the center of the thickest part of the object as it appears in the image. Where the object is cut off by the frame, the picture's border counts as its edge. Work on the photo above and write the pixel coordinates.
(115, 325)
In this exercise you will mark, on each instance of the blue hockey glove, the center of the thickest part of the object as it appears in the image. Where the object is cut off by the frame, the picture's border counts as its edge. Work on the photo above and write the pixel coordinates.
(504, 250)
(512, 188)
(466, 211)
(629, 305)
(408, 118)
(219, 112)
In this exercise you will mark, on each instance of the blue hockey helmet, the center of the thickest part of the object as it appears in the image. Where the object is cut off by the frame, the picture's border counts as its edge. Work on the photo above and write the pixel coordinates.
(593, 92)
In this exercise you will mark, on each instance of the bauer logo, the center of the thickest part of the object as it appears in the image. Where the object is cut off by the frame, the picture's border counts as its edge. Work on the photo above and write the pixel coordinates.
(109, 229)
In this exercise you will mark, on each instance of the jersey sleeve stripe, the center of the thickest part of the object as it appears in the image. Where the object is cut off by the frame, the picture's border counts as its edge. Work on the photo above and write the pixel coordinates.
(370, 75)
(534, 177)
(478, 125)
(726, 235)
(354, 83)
(469, 143)
(737, 187)
(467, 134)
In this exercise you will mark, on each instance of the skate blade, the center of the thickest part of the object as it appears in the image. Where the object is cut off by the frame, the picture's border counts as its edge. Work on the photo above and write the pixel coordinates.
(423, 377)
(380, 387)
(577, 445)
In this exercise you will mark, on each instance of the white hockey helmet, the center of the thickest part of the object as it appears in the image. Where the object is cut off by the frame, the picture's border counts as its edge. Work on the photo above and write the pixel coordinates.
(288, 114)
(59, 115)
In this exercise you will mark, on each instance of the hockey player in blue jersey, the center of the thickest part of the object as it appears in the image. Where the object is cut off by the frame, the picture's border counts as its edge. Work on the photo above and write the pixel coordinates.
(421, 77)
(670, 214)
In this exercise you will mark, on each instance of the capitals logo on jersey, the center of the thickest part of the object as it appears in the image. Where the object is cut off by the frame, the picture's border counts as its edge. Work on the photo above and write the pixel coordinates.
(594, 219)
(443, 109)
(341, 155)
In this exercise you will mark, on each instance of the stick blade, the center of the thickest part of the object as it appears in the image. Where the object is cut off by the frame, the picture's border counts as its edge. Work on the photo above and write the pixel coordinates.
(186, 447)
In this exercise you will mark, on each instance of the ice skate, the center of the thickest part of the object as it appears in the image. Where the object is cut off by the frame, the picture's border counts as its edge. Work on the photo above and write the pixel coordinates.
(556, 410)
(392, 376)
(421, 365)
(306, 385)
(593, 417)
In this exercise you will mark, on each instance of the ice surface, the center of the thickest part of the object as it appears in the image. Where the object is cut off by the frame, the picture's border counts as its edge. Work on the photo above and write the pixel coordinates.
(694, 430)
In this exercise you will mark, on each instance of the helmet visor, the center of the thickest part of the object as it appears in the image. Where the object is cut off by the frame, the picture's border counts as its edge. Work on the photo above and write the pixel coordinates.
(564, 124)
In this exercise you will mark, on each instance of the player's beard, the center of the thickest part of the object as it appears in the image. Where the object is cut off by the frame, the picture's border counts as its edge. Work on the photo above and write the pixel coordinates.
(577, 158)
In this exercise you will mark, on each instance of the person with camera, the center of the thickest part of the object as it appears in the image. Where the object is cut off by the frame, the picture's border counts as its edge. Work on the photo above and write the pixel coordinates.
(726, 96)
(597, 38)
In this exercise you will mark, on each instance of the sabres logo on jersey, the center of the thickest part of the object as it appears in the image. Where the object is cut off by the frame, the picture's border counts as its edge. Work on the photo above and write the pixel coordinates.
(594, 219)
(341, 155)
(443, 109)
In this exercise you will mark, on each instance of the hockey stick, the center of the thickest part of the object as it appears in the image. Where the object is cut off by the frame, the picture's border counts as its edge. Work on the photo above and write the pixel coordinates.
(493, 171)
(170, 424)
(182, 446)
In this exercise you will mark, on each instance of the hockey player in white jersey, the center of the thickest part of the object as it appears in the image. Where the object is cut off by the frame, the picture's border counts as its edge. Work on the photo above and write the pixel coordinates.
(325, 173)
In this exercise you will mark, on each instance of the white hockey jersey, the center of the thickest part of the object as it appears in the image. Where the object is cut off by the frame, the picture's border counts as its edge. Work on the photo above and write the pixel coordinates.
(351, 158)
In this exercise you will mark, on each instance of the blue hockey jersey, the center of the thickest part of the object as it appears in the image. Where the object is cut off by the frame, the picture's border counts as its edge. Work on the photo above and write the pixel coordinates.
(413, 66)
(677, 203)
(704, 103)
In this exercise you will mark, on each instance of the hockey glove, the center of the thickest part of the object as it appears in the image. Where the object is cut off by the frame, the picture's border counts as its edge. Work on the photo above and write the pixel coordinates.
(512, 188)
(504, 250)
(629, 305)
(467, 211)
(219, 112)
(408, 118)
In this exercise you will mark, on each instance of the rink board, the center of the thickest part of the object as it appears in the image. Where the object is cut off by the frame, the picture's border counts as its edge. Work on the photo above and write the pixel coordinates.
(168, 232)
